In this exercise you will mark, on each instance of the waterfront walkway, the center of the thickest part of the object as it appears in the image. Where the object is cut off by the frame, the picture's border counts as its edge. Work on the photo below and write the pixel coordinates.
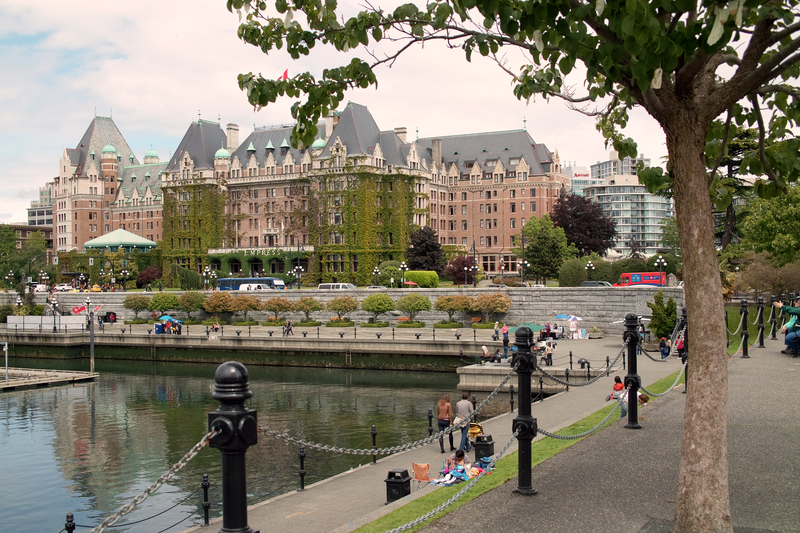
(356, 497)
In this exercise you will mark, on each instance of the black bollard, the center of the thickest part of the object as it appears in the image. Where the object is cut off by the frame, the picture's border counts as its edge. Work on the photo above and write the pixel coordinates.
(760, 301)
(632, 380)
(302, 473)
(318, 332)
(341, 334)
(608, 362)
(392, 333)
(355, 332)
(524, 424)
(588, 371)
(772, 319)
(248, 330)
(430, 422)
(474, 401)
(237, 429)
(511, 392)
(566, 377)
(374, 434)
(475, 335)
(205, 484)
(69, 526)
(434, 333)
(570, 359)
(745, 331)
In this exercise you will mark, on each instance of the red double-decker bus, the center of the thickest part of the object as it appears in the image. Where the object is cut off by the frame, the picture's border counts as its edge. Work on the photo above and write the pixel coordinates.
(646, 279)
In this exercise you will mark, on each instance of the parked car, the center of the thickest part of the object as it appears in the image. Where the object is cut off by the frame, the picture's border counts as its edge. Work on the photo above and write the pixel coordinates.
(64, 287)
(376, 288)
(336, 286)
(96, 288)
(596, 284)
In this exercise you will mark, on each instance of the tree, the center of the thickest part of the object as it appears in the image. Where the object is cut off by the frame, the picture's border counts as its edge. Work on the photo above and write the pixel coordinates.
(572, 273)
(148, 275)
(413, 304)
(455, 270)
(136, 303)
(664, 57)
(424, 251)
(8, 247)
(602, 271)
(452, 305)
(584, 224)
(774, 227)
(546, 248)
(307, 305)
(342, 305)
(390, 276)
(669, 235)
(377, 304)
(488, 305)
(631, 264)
(664, 316)
(189, 301)
(220, 302)
(761, 275)
(244, 304)
(672, 264)
(278, 305)
(163, 302)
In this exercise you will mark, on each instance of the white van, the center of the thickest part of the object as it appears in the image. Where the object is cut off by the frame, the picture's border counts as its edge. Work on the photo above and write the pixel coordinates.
(337, 286)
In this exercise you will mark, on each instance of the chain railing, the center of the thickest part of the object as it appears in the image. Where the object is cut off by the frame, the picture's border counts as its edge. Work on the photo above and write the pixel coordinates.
(741, 344)
(459, 494)
(587, 382)
(677, 380)
(732, 333)
(760, 311)
(391, 449)
(136, 501)
(587, 432)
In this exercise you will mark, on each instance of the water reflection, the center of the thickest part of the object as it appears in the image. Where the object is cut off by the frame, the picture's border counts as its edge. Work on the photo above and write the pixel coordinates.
(89, 448)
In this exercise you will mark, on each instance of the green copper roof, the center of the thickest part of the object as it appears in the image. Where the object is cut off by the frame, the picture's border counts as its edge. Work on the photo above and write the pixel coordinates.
(319, 143)
(151, 153)
(251, 147)
(222, 153)
(118, 238)
(108, 149)
(269, 145)
(285, 143)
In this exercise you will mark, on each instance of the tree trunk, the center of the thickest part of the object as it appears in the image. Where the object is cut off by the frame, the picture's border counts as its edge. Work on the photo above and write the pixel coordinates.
(702, 502)
(729, 227)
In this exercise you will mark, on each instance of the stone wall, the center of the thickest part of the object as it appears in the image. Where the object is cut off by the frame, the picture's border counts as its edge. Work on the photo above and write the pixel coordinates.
(598, 306)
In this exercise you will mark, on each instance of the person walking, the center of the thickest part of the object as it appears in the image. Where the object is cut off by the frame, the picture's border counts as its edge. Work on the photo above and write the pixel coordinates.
(496, 330)
(505, 347)
(444, 413)
(664, 347)
(505, 331)
(463, 410)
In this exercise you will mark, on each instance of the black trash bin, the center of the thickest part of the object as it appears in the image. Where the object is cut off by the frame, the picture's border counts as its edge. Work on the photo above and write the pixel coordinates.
(398, 485)
(484, 446)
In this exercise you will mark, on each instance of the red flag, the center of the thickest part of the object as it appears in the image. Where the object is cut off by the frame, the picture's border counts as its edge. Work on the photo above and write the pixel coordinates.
(96, 309)
(285, 75)
(78, 309)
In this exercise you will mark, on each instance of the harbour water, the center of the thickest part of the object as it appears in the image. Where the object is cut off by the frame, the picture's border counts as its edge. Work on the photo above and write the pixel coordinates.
(90, 448)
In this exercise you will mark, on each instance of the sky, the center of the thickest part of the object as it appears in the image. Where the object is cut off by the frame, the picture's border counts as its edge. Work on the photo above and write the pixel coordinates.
(155, 66)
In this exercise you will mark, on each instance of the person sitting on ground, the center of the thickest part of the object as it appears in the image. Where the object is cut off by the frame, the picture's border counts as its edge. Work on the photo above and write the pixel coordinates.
(618, 386)
(215, 326)
(791, 328)
(485, 353)
(643, 399)
(459, 458)
(494, 358)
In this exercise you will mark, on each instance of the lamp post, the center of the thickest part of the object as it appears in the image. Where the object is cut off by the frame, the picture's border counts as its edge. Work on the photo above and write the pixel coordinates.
(90, 315)
(376, 272)
(81, 281)
(661, 263)
(206, 277)
(589, 268)
(502, 277)
(522, 265)
(10, 278)
(403, 269)
(474, 264)
(124, 279)
(43, 277)
(19, 306)
(54, 303)
(466, 269)
(298, 271)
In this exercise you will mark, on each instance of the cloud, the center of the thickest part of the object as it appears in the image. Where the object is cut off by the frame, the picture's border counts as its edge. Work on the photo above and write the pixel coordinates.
(157, 64)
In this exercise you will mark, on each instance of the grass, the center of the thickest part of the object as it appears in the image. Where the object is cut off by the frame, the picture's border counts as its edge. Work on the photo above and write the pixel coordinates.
(505, 469)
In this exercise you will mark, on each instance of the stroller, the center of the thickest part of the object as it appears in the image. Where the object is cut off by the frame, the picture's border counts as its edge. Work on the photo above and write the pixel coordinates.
(475, 429)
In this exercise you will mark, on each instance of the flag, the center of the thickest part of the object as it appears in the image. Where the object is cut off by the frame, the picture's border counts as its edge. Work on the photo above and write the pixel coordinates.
(78, 309)
(285, 75)
(96, 309)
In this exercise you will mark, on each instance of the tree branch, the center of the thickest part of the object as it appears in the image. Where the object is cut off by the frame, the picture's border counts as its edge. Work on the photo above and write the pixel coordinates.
(761, 139)
(722, 148)
(769, 89)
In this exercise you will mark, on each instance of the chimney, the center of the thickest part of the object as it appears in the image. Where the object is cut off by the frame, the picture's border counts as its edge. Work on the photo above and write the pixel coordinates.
(233, 138)
(436, 152)
(401, 132)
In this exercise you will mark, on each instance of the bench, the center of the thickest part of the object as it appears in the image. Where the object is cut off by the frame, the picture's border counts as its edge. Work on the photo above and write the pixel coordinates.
(404, 319)
(477, 319)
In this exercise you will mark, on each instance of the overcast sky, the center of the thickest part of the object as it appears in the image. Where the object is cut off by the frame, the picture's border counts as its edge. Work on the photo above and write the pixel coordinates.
(154, 65)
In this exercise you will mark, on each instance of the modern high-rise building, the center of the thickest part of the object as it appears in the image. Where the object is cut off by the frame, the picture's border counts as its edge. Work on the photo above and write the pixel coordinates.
(604, 170)
(40, 213)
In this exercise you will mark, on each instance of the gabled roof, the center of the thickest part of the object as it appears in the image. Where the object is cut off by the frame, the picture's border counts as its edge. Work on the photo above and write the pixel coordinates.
(147, 176)
(201, 141)
(356, 129)
(101, 132)
(118, 238)
(265, 139)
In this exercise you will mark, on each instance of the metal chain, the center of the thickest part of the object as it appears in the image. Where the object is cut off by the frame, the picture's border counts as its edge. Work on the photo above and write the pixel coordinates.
(392, 449)
(579, 435)
(459, 494)
(732, 333)
(771, 313)
(683, 369)
(584, 383)
(125, 509)
(760, 310)
(740, 346)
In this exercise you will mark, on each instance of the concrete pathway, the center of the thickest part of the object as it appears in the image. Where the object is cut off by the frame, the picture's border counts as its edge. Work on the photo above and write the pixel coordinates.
(349, 500)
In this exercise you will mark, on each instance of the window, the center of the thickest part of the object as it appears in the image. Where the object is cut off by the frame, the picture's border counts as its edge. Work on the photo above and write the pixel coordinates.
(464, 225)
(463, 209)
(533, 193)
(522, 205)
(513, 223)
(463, 196)
(513, 207)
(481, 223)
(481, 209)
(482, 241)
(464, 241)
(533, 207)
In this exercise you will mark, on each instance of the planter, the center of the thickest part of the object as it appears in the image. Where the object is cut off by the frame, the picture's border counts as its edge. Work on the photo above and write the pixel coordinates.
(598, 335)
